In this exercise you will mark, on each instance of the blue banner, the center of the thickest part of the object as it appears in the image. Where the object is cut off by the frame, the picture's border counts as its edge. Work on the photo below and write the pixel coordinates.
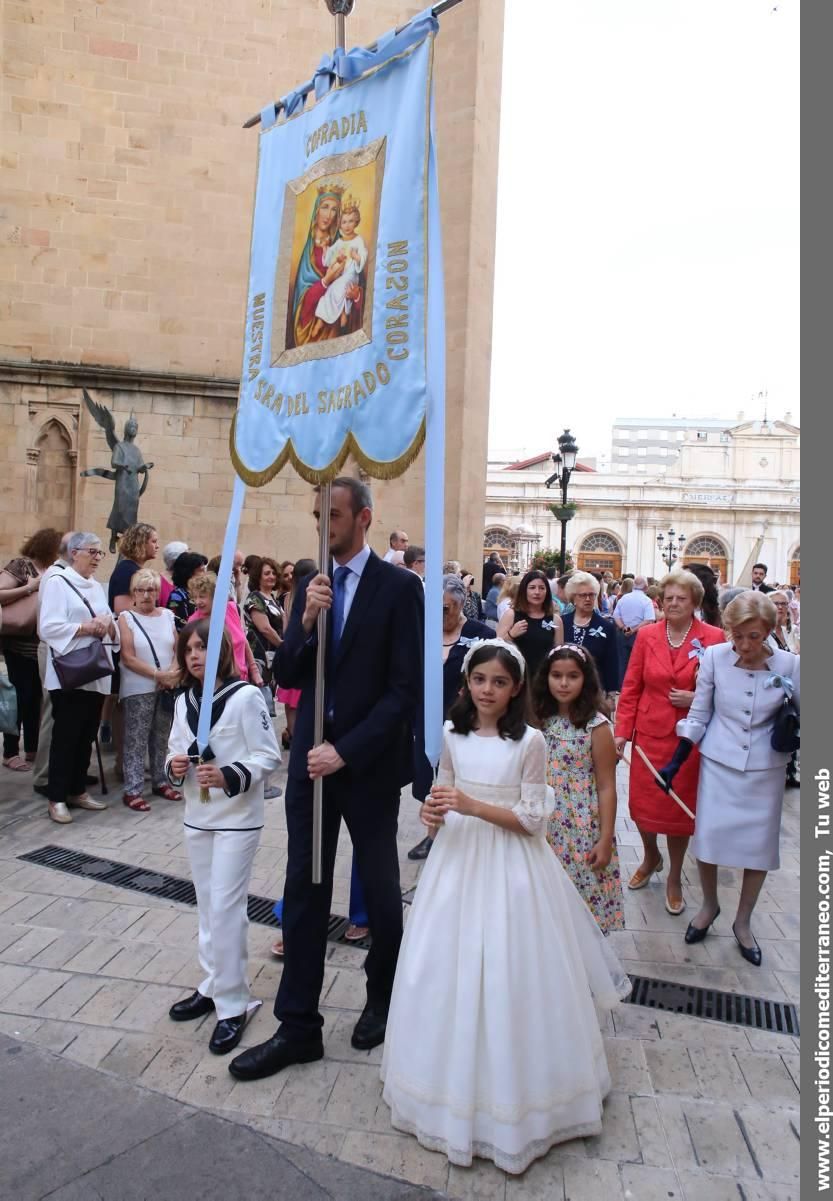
(338, 337)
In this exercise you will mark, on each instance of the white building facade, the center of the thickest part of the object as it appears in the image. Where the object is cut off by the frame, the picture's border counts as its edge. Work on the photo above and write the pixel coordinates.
(735, 498)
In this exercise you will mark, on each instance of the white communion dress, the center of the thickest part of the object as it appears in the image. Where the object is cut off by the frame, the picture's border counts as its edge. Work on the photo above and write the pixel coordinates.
(493, 1046)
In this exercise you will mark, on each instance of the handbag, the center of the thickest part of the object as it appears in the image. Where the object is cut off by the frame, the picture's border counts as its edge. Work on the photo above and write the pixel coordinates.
(86, 664)
(21, 616)
(786, 733)
(8, 707)
(167, 698)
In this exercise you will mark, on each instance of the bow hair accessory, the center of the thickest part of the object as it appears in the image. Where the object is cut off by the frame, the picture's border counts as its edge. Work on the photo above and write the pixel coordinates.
(776, 681)
(501, 645)
(569, 646)
(698, 650)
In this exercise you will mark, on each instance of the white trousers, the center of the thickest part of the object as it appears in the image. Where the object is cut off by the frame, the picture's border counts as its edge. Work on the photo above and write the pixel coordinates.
(221, 864)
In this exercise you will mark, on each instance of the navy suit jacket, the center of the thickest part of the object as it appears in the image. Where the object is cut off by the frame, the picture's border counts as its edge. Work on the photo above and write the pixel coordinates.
(374, 684)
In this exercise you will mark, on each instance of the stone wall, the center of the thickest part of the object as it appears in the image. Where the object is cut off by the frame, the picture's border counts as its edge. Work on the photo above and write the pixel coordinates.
(125, 227)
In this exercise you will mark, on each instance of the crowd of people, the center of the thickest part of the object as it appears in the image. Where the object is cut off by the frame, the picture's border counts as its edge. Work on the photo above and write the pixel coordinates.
(547, 681)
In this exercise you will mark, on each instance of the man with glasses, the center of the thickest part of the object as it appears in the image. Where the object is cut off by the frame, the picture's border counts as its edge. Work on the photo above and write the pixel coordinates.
(415, 561)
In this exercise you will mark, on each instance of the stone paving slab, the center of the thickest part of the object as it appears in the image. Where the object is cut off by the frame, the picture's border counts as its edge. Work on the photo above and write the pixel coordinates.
(699, 1111)
(127, 1142)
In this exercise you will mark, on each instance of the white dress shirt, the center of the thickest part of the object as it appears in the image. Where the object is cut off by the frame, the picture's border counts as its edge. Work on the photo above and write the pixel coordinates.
(357, 565)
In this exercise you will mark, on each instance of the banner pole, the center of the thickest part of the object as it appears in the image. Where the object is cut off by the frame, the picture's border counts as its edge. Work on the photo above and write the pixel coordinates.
(324, 495)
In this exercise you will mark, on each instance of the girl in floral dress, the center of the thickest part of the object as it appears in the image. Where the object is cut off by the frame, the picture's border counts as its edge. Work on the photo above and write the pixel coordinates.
(581, 769)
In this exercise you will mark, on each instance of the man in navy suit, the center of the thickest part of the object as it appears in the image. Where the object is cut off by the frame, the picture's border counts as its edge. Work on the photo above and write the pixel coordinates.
(373, 686)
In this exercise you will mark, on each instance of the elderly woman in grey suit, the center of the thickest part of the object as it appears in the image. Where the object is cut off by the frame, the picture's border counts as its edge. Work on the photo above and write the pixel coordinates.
(740, 689)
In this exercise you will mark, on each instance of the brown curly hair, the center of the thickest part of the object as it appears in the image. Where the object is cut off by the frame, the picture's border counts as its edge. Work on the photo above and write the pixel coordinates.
(134, 540)
(42, 547)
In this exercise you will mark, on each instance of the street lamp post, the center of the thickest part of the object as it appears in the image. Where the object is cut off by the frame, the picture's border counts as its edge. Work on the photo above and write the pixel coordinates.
(669, 549)
(564, 462)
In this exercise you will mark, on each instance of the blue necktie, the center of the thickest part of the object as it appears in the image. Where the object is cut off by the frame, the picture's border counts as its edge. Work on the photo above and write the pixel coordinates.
(339, 597)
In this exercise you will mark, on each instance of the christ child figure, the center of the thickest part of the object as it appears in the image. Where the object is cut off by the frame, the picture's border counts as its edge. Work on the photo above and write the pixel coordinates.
(349, 249)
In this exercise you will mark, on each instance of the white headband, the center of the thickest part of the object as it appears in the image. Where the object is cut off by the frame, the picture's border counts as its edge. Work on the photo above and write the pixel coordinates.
(502, 645)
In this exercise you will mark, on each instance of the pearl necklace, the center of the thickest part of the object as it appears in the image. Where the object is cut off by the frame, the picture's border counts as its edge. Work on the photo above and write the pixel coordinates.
(676, 645)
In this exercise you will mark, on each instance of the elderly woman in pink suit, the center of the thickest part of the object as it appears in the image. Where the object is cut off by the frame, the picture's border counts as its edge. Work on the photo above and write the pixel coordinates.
(656, 692)
(740, 689)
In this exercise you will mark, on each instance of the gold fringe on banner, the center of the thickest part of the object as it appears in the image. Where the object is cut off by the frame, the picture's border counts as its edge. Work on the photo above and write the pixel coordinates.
(375, 468)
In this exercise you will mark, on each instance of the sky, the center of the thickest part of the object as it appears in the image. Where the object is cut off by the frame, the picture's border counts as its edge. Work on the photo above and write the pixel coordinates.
(647, 231)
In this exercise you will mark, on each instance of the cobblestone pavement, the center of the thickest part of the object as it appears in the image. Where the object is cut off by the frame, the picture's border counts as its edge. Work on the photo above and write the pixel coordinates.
(700, 1111)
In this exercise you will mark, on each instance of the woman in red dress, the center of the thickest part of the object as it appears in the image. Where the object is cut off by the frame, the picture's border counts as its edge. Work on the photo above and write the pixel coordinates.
(656, 693)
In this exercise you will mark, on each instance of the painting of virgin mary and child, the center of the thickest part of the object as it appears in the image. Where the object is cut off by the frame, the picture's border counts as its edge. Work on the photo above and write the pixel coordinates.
(328, 292)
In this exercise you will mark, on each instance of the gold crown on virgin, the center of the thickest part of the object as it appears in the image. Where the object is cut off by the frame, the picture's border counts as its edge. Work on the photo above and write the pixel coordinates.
(336, 187)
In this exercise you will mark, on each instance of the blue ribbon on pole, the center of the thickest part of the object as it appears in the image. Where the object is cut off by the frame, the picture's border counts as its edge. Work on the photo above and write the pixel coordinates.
(218, 612)
(350, 64)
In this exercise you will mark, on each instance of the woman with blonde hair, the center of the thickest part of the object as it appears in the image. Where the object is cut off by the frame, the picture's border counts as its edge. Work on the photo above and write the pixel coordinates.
(201, 589)
(741, 689)
(148, 673)
(507, 595)
(657, 691)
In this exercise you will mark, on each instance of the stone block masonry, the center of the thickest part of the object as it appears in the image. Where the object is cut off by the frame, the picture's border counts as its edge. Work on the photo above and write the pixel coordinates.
(125, 228)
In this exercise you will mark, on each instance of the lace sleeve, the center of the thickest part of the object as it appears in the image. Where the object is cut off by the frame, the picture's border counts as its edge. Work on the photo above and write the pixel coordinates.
(445, 771)
(536, 796)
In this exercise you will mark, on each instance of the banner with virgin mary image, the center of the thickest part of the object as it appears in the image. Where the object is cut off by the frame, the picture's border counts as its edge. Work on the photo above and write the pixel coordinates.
(339, 350)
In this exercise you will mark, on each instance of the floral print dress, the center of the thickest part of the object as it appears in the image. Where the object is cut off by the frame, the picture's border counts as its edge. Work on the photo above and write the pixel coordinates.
(573, 828)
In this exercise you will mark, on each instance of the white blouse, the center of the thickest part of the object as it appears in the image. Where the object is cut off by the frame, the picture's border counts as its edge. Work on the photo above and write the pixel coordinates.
(62, 611)
(161, 632)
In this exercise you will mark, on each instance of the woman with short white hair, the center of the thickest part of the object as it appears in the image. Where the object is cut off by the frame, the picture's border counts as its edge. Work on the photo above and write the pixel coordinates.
(741, 689)
(586, 627)
(74, 615)
(785, 635)
(170, 554)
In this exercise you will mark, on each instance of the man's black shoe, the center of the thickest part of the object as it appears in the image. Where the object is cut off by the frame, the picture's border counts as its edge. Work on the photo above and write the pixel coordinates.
(421, 850)
(41, 790)
(369, 1031)
(792, 782)
(195, 1006)
(227, 1034)
(273, 1056)
(91, 779)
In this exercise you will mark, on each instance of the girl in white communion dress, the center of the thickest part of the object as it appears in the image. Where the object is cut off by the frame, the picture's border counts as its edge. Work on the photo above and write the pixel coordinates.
(493, 1046)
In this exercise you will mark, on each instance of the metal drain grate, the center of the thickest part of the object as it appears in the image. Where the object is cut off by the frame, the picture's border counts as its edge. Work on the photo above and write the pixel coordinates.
(160, 884)
(734, 1008)
(664, 995)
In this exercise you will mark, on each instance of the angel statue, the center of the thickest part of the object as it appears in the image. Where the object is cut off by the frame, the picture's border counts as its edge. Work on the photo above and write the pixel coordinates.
(127, 465)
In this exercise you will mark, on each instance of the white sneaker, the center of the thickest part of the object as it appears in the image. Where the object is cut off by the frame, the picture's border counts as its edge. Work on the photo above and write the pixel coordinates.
(59, 812)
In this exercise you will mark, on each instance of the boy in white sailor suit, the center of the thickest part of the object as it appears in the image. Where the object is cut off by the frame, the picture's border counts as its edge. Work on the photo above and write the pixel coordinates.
(222, 833)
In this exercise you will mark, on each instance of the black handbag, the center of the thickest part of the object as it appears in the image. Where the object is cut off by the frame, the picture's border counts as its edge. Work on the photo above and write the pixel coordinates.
(786, 733)
(167, 697)
(87, 663)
